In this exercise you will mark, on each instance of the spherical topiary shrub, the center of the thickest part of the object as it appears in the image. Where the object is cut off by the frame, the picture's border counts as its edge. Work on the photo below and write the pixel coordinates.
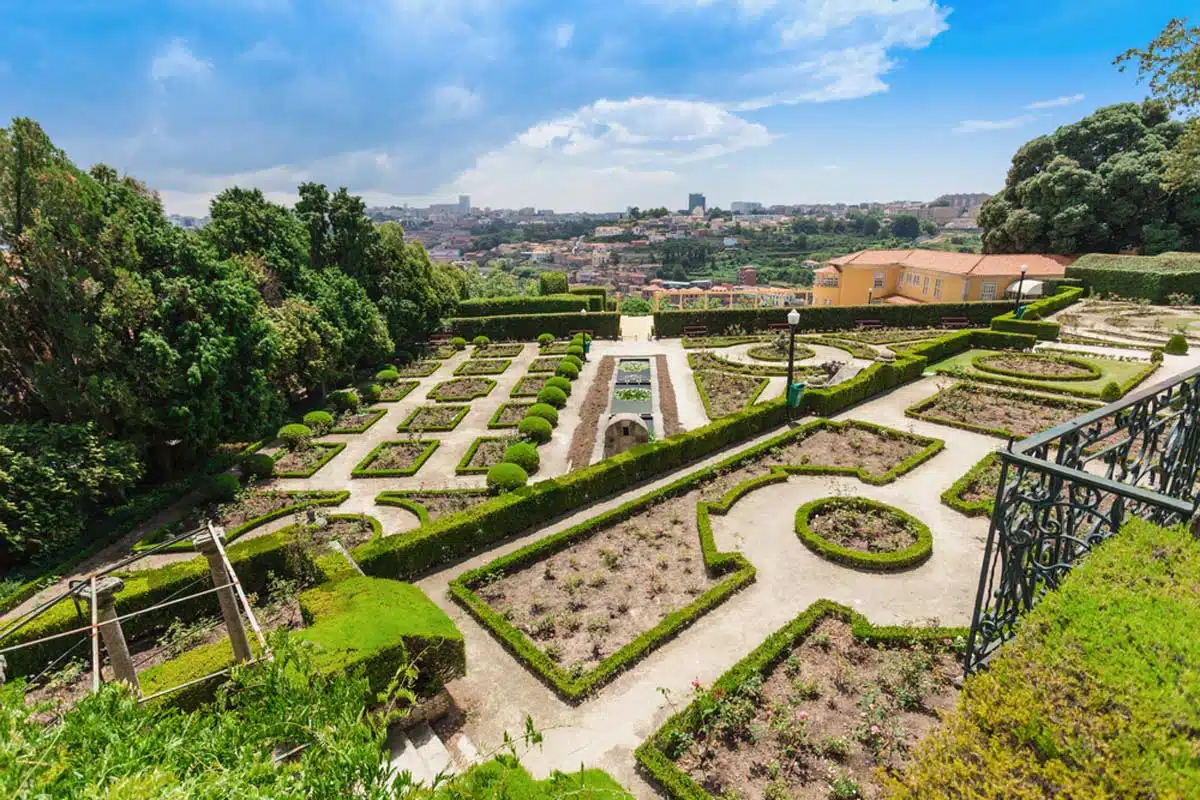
(403, 357)
(1111, 392)
(258, 465)
(505, 477)
(1176, 345)
(545, 339)
(552, 396)
(371, 393)
(387, 376)
(536, 429)
(294, 436)
(222, 488)
(545, 411)
(567, 370)
(458, 343)
(1156, 356)
(575, 360)
(344, 399)
(575, 350)
(481, 341)
(319, 421)
(559, 382)
(524, 455)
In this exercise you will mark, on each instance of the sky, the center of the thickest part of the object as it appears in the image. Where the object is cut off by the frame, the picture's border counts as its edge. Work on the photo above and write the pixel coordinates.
(563, 104)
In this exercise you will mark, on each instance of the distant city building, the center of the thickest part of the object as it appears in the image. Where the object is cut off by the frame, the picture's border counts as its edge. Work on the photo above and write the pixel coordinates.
(747, 276)
(464, 205)
(696, 201)
(605, 231)
(745, 207)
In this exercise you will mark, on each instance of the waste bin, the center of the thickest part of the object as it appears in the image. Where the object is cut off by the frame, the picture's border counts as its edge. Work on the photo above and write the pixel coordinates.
(1020, 312)
(793, 394)
(587, 344)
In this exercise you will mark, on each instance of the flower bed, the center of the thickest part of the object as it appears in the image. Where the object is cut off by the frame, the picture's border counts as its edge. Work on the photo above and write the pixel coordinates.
(545, 364)
(975, 492)
(396, 391)
(419, 369)
(819, 709)
(482, 366)
(305, 462)
(863, 533)
(509, 415)
(769, 352)
(442, 352)
(891, 335)
(554, 349)
(434, 418)
(725, 393)
(395, 459)
(498, 351)
(460, 389)
(483, 454)
(430, 504)
(1037, 366)
(996, 412)
(700, 342)
(529, 386)
(357, 421)
(1126, 374)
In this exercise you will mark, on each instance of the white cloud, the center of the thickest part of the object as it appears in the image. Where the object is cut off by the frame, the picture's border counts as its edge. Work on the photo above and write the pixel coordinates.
(267, 51)
(983, 125)
(177, 61)
(1057, 102)
(455, 102)
(563, 35)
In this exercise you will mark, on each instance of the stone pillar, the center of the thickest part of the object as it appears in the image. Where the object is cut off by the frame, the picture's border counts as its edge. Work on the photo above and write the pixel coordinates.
(110, 627)
(229, 610)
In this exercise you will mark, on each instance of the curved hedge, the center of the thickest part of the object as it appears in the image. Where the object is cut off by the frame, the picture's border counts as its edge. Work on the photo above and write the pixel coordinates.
(1091, 372)
(321, 422)
(914, 555)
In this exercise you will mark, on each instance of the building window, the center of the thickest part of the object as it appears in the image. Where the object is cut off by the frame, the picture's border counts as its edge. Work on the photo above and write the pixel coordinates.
(937, 289)
(925, 286)
(826, 302)
(827, 281)
(878, 281)
(988, 293)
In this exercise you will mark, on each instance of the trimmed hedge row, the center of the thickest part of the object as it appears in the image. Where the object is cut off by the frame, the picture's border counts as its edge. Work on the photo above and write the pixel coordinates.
(1154, 278)
(953, 497)
(652, 755)
(919, 410)
(331, 448)
(363, 469)
(912, 556)
(668, 324)
(403, 499)
(1091, 372)
(1031, 321)
(1048, 385)
(526, 327)
(546, 304)
(598, 291)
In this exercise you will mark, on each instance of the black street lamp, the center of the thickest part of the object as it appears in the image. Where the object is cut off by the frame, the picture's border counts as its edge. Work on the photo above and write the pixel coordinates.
(1020, 290)
(793, 320)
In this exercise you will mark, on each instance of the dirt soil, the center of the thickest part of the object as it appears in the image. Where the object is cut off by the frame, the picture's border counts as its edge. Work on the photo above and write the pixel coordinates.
(355, 419)
(482, 366)
(397, 455)
(491, 452)
(459, 389)
(1018, 415)
(583, 441)
(1037, 367)
(728, 393)
(438, 505)
(875, 452)
(666, 398)
(833, 710)
(869, 530)
(498, 351)
(300, 460)
(350, 532)
(545, 364)
(397, 391)
(985, 485)
(432, 417)
(419, 369)
(512, 413)
(530, 385)
(555, 349)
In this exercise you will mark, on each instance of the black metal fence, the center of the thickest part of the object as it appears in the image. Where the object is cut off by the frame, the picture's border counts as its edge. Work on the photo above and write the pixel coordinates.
(1064, 491)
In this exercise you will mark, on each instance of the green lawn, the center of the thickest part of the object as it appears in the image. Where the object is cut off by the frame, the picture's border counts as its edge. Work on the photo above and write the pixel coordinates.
(1126, 373)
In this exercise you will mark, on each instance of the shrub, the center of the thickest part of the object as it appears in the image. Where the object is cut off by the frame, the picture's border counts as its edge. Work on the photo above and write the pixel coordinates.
(321, 422)
(553, 396)
(295, 435)
(1176, 345)
(387, 376)
(524, 455)
(545, 411)
(526, 327)
(481, 341)
(559, 382)
(545, 339)
(567, 370)
(526, 305)
(258, 465)
(458, 343)
(344, 399)
(552, 283)
(536, 429)
(371, 392)
(1156, 356)
(506, 477)
(404, 357)
(1111, 392)
(222, 488)
(575, 360)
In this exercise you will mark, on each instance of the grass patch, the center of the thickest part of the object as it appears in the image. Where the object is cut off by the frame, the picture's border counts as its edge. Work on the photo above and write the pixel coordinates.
(1127, 374)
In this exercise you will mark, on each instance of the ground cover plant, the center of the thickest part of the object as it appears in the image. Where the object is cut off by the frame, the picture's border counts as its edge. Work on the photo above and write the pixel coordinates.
(396, 391)
(631, 394)
(509, 415)
(975, 492)
(433, 418)
(430, 504)
(545, 364)
(483, 366)
(818, 710)
(725, 393)
(483, 454)
(1081, 375)
(395, 459)
(418, 369)
(498, 351)
(529, 385)
(996, 412)
(864, 534)
(356, 420)
(461, 389)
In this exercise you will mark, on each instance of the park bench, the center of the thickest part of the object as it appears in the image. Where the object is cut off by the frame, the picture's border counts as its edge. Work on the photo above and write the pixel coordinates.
(439, 338)
(778, 326)
(868, 324)
(584, 331)
(955, 322)
(695, 330)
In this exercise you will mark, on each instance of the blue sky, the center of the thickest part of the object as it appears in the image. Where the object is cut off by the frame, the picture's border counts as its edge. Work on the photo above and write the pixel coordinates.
(564, 104)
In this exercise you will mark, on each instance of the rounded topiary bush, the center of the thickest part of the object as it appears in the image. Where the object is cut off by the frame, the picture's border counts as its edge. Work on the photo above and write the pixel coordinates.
(403, 357)
(545, 339)
(320, 422)
(294, 435)
(1156, 356)
(567, 370)
(1176, 345)
(575, 360)
(222, 488)
(458, 343)
(552, 396)
(387, 376)
(372, 392)
(524, 455)
(506, 477)
(575, 350)
(344, 399)
(258, 465)
(559, 382)
(481, 341)
(545, 411)
(536, 429)
(1111, 392)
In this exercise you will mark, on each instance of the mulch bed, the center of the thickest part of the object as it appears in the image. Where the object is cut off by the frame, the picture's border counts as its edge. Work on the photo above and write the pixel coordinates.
(482, 366)
(870, 530)
(666, 398)
(555, 349)
(530, 385)
(439, 505)
(419, 369)
(442, 351)
(461, 389)
(727, 392)
(396, 455)
(433, 418)
(397, 391)
(300, 460)
(579, 454)
(545, 364)
(1014, 415)
(350, 532)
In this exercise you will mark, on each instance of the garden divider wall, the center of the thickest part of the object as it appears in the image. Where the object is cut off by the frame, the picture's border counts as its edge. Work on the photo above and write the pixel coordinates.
(525, 327)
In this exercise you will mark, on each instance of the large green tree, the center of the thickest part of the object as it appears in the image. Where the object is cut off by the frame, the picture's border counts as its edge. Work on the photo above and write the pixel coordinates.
(244, 222)
(412, 294)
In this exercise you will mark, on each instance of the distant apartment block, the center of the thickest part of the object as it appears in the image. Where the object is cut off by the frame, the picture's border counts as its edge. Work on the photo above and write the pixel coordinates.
(696, 201)
(747, 276)
(745, 207)
(606, 231)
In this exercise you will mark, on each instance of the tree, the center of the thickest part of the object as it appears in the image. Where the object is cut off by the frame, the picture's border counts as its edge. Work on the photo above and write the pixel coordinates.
(552, 283)
(635, 306)
(656, 213)
(906, 226)
(310, 347)
(871, 226)
(344, 303)
(929, 227)
(411, 297)
(243, 222)
(25, 151)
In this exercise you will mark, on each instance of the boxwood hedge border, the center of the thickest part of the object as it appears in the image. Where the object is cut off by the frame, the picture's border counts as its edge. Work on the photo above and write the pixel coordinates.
(1042, 386)
(474, 367)
(920, 409)
(495, 424)
(952, 497)
(533, 365)
(463, 469)
(405, 387)
(504, 350)
(363, 470)
(403, 427)
(466, 398)
(1093, 372)
(403, 499)
(708, 409)
(516, 393)
(331, 450)
(912, 556)
(377, 414)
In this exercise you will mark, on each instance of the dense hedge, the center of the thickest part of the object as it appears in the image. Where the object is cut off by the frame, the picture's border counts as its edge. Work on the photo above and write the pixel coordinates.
(364, 469)
(953, 497)
(1032, 321)
(1095, 697)
(527, 327)
(331, 449)
(597, 291)
(912, 556)
(547, 304)
(824, 318)
(1153, 278)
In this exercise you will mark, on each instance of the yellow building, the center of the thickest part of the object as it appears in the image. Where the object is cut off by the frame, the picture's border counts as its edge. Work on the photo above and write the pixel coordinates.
(926, 276)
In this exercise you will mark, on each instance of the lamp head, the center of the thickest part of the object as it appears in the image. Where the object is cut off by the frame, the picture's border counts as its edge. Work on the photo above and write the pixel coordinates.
(793, 318)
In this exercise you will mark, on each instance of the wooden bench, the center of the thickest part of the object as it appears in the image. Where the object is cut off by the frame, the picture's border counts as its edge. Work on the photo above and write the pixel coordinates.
(779, 326)
(695, 330)
(439, 338)
(955, 322)
(585, 330)
(868, 324)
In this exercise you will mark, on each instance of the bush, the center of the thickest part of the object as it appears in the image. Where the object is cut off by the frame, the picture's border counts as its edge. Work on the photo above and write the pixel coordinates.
(321, 422)
(544, 339)
(524, 455)
(222, 488)
(344, 399)
(576, 361)
(481, 341)
(552, 283)
(1154, 278)
(553, 396)
(567, 370)
(1111, 392)
(458, 343)
(387, 376)
(526, 327)
(545, 411)
(536, 429)
(258, 465)
(559, 382)
(372, 392)
(526, 305)
(506, 477)
(295, 436)
(403, 357)
(1156, 356)
(1177, 345)
(823, 318)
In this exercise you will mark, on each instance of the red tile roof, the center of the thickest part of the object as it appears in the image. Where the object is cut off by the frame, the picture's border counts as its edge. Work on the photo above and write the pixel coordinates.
(1039, 266)
(955, 263)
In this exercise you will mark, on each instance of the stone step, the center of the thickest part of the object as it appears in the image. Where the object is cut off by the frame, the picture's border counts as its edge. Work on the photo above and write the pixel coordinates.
(464, 751)
(404, 757)
(431, 749)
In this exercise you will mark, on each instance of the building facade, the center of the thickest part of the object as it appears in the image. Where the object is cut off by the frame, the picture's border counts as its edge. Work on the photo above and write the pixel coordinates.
(696, 201)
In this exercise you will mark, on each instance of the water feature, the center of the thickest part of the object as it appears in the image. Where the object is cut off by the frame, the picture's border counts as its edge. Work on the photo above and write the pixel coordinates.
(633, 390)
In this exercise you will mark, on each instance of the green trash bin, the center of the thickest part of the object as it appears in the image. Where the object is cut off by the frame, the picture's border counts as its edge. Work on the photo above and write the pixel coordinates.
(1020, 312)
(587, 344)
(793, 394)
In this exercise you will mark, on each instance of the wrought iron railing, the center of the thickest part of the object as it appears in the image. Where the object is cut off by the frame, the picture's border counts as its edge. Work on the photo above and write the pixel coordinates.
(1067, 489)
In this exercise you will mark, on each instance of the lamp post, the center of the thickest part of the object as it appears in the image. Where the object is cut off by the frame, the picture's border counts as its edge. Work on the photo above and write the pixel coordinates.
(793, 320)
(1020, 289)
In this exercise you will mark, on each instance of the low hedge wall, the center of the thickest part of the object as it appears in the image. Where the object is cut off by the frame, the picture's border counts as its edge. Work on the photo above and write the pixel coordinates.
(953, 497)
(404, 499)
(525, 327)
(331, 450)
(708, 409)
(652, 755)
(1153, 278)
(912, 556)
(546, 304)
(1095, 696)
(363, 469)
(596, 291)
(1032, 322)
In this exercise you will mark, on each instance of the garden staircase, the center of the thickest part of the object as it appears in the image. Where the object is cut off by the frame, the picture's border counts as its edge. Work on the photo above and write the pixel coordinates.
(419, 751)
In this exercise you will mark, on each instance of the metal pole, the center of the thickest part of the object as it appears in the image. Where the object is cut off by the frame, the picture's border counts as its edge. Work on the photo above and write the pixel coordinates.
(1020, 291)
(787, 390)
(95, 642)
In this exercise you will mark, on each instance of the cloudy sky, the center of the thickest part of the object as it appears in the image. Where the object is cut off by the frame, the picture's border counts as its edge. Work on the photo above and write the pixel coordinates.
(564, 104)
